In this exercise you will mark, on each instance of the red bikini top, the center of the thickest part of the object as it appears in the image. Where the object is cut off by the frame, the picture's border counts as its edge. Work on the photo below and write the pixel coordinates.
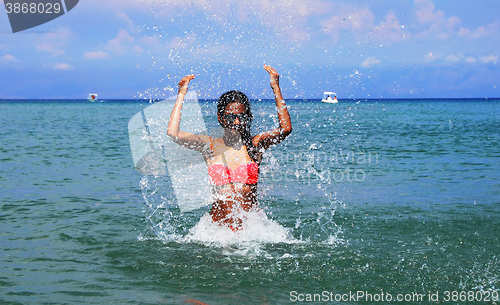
(247, 173)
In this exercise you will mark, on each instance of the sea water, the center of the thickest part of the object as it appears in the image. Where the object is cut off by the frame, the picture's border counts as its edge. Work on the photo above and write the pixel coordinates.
(366, 199)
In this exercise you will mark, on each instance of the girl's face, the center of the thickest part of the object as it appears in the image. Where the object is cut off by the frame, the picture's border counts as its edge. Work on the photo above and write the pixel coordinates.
(235, 117)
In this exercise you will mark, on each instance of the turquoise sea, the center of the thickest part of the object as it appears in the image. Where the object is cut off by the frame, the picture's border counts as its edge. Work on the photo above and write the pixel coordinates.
(367, 202)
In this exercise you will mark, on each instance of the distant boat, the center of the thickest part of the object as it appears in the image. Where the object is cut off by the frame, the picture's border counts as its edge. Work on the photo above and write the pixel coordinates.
(92, 97)
(327, 97)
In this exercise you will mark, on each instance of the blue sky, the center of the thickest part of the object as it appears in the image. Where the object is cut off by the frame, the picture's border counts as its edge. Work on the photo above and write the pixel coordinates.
(359, 49)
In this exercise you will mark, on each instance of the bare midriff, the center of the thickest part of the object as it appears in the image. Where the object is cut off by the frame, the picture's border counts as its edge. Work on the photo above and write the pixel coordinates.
(230, 199)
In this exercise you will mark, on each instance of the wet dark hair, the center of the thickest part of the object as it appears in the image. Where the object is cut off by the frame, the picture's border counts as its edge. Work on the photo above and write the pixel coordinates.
(231, 97)
(239, 97)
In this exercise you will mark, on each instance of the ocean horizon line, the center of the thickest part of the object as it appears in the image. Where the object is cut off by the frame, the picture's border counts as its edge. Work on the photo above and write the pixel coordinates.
(254, 99)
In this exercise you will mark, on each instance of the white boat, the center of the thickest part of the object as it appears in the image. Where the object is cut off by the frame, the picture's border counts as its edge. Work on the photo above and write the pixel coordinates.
(327, 97)
(92, 97)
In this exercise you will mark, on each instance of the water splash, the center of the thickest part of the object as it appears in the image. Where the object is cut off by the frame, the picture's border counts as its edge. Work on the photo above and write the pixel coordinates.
(256, 228)
(305, 215)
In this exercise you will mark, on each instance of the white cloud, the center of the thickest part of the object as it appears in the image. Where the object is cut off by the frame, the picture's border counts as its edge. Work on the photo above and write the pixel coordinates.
(391, 29)
(361, 23)
(481, 31)
(454, 58)
(358, 21)
(52, 48)
(61, 34)
(123, 16)
(8, 57)
(441, 27)
(370, 61)
(430, 23)
(430, 57)
(138, 50)
(488, 59)
(121, 43)
(62, 66)
(471, 60)
(96, 55)
(426, 12)
(463, 31)
(438, 25)
(286, 17)
(54, 42)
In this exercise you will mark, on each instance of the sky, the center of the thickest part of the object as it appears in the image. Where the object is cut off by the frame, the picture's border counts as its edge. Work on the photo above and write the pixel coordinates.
(133, 49)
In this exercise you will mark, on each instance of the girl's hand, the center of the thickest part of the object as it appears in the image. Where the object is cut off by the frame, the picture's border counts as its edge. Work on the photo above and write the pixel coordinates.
(275, 77)
(184, 83)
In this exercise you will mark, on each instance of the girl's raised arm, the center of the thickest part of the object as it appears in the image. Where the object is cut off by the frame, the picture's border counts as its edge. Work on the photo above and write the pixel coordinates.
(189, 140)
(277, 135)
